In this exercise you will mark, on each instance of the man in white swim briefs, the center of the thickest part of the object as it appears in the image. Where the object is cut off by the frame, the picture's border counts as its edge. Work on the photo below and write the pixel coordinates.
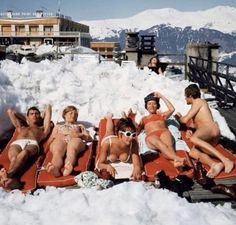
(30, 132)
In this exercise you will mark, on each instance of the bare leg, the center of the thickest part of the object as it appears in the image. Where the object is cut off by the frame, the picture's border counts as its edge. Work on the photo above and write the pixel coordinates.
(197, 140)
(215, 167)
(7, 182)
(75, 146)
(17, 161)
(58, 149)
(17, 158)
(109, 125)
(168, 140)
(154, 142)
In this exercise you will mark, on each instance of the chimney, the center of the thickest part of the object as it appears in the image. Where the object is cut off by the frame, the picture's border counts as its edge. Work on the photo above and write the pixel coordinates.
(39, 13)
(9, 14)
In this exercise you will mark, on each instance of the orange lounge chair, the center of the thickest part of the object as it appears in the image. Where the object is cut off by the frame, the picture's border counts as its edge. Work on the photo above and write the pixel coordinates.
(83, 164)
(30, 170)
(151, 162)
(123, 169)
(221, 149)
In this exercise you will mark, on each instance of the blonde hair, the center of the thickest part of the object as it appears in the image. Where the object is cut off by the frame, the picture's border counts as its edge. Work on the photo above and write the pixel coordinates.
(68, 109)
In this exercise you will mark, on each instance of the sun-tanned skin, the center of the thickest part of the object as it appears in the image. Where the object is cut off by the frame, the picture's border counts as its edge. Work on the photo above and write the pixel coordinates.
(163, 142)
(31, 129)
(206, 133)
(120, 150)
(66, 141)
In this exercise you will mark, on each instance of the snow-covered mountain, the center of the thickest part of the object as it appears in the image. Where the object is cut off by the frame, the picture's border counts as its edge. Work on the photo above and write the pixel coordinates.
(220, 18)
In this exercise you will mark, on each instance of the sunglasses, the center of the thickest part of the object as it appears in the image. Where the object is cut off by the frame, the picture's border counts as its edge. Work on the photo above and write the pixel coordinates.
(129, 133)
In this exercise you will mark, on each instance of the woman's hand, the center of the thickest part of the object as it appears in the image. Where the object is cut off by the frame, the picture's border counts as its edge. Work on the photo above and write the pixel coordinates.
(111, 170)
(136, 174)
(157, 94)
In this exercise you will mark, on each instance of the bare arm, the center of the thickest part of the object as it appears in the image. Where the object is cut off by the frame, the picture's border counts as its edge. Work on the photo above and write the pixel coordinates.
(140, 126)
(47, 120)
(169, 105)
(81, 132)
(16, 118)
(136, 174)
(160, 71)
(191, 113)
(102, 161)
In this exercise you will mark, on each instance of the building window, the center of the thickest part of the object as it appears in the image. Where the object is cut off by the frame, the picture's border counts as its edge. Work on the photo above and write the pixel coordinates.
(33, 29)
(48, 30)
(20, 29)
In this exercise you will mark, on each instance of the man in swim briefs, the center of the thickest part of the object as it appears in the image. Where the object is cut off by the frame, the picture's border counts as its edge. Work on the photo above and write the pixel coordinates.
(26, 145)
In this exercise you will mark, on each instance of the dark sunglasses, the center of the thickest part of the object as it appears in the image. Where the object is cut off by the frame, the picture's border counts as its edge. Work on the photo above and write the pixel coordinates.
(129, 133)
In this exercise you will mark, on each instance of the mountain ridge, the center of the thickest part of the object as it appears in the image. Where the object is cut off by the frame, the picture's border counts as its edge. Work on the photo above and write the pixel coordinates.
(221, 18)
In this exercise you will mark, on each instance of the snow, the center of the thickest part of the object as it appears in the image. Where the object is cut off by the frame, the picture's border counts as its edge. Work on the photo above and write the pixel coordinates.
(96, 89)
(222, 18)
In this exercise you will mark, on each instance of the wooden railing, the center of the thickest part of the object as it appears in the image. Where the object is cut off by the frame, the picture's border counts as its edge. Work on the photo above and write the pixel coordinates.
(218, 78)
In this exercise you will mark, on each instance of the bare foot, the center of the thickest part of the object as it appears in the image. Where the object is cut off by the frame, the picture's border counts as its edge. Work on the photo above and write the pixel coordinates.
(53, 170)
(229, 165)
(3, 176)
(215, 169)
(189, 134)
(12, 183)
(68, 168)
(179, 162)
(109, 115)
(123, 115)
(7, 182)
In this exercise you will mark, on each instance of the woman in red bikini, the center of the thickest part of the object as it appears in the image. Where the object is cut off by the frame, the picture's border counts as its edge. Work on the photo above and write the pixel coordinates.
(66, 141)
(158, 137)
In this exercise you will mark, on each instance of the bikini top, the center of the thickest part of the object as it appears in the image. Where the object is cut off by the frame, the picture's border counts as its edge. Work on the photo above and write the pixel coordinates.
(152, 118)
(110, 143)
(64, 128)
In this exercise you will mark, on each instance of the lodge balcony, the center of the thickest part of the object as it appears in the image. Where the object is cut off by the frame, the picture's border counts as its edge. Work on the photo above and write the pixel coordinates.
(45, 34)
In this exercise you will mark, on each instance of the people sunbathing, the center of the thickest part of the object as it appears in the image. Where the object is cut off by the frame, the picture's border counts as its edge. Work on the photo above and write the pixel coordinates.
(158, 137)
(120, 146)
(67, 141)
(206, 134)
(30, 132)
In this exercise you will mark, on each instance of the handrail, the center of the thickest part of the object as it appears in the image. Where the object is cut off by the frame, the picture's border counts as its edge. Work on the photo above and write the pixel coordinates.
(215, 76)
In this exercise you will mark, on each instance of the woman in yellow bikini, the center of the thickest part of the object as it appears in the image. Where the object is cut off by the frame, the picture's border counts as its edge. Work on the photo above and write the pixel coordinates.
(66, 141)
(158, 137)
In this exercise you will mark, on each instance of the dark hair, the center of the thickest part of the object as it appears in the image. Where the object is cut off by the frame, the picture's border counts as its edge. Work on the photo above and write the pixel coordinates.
(193, 90)
(125, 123)
(68, 109)
(154, 57)
(34, 108)
(151, 97)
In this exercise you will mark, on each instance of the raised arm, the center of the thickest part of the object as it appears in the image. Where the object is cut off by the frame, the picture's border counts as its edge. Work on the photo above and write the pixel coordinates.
(169, 105)
(16, 118)
(47, 120)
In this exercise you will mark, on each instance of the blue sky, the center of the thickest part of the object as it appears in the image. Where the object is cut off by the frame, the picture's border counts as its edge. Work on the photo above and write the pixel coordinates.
(106, 9)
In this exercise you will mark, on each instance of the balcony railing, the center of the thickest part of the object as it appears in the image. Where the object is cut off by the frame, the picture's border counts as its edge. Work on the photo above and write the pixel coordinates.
(45, 34)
